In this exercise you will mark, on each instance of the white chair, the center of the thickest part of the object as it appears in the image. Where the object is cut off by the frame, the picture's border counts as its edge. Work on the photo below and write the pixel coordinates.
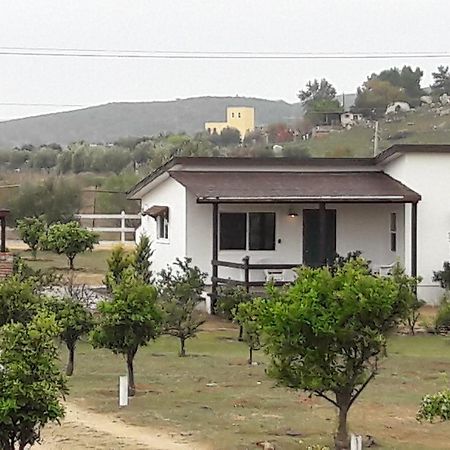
(384, 270)
(274, 274)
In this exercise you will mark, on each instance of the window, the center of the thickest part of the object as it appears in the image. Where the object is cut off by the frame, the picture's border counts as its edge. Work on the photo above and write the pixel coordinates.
(233, 231)
(232, 115)
(239, 115)
(261, 231)
(162, 227)
(234, 228)
(393, 232)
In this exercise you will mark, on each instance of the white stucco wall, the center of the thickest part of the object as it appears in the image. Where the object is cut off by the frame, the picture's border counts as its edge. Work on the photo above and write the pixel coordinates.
(362, 227)
(429, 175)
(173, 195)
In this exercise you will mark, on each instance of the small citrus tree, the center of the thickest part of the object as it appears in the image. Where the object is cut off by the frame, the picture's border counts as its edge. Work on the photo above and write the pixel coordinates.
(251, 328)
(180, 289)
(117, 262)
(69, 239)
(327, 332)
(128, 321)
(31, 384)
(74, 320)
(31, 230)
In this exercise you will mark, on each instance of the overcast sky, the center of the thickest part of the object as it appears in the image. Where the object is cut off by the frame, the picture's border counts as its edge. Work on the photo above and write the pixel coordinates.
(205, 25)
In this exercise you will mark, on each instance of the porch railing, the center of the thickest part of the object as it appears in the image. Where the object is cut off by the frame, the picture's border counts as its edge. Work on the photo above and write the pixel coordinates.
(246, 269)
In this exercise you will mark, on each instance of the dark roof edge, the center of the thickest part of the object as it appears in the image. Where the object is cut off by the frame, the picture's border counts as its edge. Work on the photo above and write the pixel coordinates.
(418, 197)
(411, 148)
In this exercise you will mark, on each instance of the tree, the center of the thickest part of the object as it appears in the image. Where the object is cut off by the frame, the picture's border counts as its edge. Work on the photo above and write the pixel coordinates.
(69, 239)
(55, 198)
(74, 320)
(142, 259)
(18, 300)
(117, 262)
(252, 329)
(319, 96)
(228, 136)
(128, 321)
(441, 79)
(408, 290)
(375, 95)
(180, 289)
(406, 78)
(31, 230)
(326, 332)
(31, 384)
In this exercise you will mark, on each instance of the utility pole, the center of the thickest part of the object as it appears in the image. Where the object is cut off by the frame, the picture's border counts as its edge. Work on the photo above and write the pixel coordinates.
(375, 140)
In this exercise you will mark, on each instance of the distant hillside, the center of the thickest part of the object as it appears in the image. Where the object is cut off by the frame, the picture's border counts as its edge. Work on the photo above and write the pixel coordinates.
(106, 123)
(422, 126)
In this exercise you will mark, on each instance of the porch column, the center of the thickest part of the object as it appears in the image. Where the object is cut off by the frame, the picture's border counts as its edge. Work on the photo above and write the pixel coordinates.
(414, 239)
(215, 254)
(322, 233)
(3, 234)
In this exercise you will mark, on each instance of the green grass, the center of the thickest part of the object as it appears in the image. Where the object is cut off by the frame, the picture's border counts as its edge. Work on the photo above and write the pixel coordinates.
(90, 267)
(245, 406)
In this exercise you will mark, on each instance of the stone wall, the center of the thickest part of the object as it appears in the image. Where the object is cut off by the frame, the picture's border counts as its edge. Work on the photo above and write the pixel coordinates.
(6, 264)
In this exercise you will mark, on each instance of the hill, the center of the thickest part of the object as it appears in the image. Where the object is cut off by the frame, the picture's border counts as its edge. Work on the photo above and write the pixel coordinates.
(422, 126)
(106, 123)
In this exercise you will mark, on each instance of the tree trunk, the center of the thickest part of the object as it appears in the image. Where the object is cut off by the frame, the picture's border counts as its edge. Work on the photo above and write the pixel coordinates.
(241, 331)
(71, 258)
(342, 440)
(131, 385)
(250, 355)
(70, 362)
(182, 347)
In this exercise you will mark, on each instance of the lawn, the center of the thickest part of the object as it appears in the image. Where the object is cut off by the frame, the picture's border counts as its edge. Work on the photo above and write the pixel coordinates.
(90, 267)
(217, 397)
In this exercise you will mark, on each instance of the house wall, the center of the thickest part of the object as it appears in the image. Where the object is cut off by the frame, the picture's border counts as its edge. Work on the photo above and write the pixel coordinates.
(173, 195)
(358, 227)
(429, 175)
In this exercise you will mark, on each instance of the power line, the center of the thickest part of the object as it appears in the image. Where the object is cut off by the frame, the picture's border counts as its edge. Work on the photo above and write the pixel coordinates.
(199, 55)
(40, 104)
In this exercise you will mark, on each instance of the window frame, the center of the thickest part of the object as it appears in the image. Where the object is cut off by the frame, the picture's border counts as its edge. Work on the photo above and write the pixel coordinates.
(247, 231)
(162, 228)
(393, 231)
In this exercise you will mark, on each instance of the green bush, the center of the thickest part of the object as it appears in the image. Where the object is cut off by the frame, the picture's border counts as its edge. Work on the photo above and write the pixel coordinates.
(435, 406)
(443, 276)
(442, 321)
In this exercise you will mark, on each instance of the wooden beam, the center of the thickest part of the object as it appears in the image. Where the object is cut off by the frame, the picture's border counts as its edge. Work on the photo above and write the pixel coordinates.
(3, 234)
(215, 254)
(414, 239)
(322, 233)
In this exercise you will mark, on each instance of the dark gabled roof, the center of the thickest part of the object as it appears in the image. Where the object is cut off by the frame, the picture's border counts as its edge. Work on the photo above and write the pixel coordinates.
(195, 163)
(240, 162)
(269, 186)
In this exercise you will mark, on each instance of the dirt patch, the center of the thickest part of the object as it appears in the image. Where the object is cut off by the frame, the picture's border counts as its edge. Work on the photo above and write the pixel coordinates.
(82, 429)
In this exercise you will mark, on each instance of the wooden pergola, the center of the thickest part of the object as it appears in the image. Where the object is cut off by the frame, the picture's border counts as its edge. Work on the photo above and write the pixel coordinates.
(3, 214)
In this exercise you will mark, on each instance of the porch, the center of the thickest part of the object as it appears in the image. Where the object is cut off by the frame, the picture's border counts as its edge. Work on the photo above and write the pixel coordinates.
(264, 224)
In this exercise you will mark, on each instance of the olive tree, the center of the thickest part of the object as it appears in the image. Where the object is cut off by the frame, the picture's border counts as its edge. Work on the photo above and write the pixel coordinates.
(69, 239)
(326, 332)
(128, 321)
(180, 290)
(31, 384)
(31, 230)
(251, 328)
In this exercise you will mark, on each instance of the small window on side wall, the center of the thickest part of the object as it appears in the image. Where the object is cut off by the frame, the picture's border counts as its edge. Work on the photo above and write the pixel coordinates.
(233, 231)
(393, 232)
(162, 227)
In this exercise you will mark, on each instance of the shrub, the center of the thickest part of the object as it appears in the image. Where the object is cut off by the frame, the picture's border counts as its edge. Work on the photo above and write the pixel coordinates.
(435, 406)
(31, 230)
(180, 289)
(443, 276)
(442, 321)
(117, 262)
(69, 239)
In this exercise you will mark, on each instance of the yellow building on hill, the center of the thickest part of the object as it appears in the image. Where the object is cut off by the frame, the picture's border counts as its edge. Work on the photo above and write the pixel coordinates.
(240, 117)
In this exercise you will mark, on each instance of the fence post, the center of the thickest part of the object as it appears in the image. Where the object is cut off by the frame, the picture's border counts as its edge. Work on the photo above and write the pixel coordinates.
(122, 225)
(246, 261)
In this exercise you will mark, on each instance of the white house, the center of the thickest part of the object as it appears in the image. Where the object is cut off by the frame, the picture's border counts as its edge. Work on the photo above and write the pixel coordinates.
(283, 212)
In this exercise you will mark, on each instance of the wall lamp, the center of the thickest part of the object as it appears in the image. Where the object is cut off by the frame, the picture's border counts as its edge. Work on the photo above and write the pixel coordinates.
(292, 213)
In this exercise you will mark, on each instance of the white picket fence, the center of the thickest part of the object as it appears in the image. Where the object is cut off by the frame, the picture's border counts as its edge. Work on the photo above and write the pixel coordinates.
(122, 229)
